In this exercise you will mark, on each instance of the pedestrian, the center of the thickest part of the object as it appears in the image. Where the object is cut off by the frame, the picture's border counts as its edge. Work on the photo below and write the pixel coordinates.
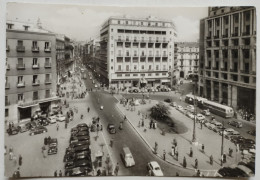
(101, 127)
(211, 160)
(66, 125)
(202, 148)
(142, 123)
(57, 126)
(5, 150)
(81, 117)
(55, 173)
(11, 149)
(45, 141)
(164, 155)
(200, 125)
(11, 155)
(177, 155)
(177, 174)
(224, 158)
(198, 173)
(20, 161)
(15, 160)
(184, 162)
(155, 147)
(98, 172)
(155, 125)
(230, 152)
(88, 109)
(174, 142)
(173, 151)
(125, 118)
(111, 142)
(116, 169)
(60, 173)
(196, 163)
(191, 152)
(43, 151)
(151, 122)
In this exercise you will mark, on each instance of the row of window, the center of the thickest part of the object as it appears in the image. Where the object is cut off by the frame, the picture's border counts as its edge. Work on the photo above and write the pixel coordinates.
(127, 38)
(234, 53)
(20, 44)
(142, 23)
(150, 67)
(35, 63)
(227, 30)
(142, 75)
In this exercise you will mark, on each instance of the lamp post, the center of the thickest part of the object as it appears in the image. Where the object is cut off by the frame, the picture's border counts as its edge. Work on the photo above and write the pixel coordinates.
(194, 139)
(222, 144)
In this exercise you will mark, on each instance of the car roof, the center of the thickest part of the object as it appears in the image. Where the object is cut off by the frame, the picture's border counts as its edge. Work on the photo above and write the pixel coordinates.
(154, 164)
(126, 150)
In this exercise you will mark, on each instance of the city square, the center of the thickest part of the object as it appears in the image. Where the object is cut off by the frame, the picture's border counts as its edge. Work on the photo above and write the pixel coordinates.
(134, 100)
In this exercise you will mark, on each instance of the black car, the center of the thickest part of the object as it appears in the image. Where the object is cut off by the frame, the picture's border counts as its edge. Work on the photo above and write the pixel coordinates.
(80, 133)
(82, 125)
(43, 122)
(168, 100)
(75, 139)
(247, 146)
(252, 132)
(231, 172)
(237, 139)
(78, 171)
(13, 131)
(74, 130)
(83, 155)
(111, 128)
(80, 143)
(249, 141)
(38, 130)
(72, 155)
(83, 129)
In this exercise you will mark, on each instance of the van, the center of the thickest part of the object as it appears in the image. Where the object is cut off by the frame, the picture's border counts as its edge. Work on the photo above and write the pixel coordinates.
(127, 157)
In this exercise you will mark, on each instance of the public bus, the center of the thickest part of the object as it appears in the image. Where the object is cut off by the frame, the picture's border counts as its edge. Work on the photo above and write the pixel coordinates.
(219, 109)
(199, 100)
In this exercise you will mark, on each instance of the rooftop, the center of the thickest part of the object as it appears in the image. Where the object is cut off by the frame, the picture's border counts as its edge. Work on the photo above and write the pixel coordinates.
(187, 44)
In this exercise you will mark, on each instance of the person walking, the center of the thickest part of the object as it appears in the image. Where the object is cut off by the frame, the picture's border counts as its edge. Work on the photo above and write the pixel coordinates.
(60, 173)
(164, 155)
(196, 163)
(43, 151)
(173, 151)
(155, 147)
(202, 148)
(211, 160)
(55, 173)
(116, 169)
(174, 142)
(88, 109)
(184, 164)
(177, 155)
(142, 123)
(11, 155)
(57, 126)
(20, 160)
(15, 160)
(155, 125)
(191, 152)
(230, 151)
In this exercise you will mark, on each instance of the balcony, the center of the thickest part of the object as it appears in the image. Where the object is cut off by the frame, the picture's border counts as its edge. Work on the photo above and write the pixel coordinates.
(7, 103)
(143, 55)
(20, 48)
(7, 48)
(164, 55)
(20, 66)
(233, 70)
(208, 37)
(157, 55)
(35, 49)
(36, 66)
(215, 68)
(245, 34)
(20, 84)
(47, 49)
(119, 55)
(253, 72)
(36, 83)
(223, 69)
(216, 37)
(246, 47)
(47, 81)
(234, 34)
(224, 36)
(208, 67)
(7, 66)
(47, 65)
(244, 71)
(7, 85)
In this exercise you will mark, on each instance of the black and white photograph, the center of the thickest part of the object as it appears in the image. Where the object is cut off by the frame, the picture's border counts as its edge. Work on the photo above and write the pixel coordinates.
(96, 90)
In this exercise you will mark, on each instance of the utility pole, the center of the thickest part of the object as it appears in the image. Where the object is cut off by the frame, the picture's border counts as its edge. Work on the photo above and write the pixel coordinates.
(222, 144)
(194, 139)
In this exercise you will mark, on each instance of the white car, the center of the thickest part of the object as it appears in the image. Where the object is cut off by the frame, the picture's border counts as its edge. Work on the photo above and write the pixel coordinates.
(101, 107)
(190, 115)
(227, 131)
(179, 108)
(96, 85)
(211, 126)
(60, 117)
(200, 117)
(190, 108)
(235, 133)
(205, 112)
(154, 168)
(52, 119)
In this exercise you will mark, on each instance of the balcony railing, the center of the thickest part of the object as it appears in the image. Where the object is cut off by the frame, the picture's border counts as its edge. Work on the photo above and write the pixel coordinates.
(157, 55)
(7, 48)
(119, 55)
(47, 65)
(224, 36)
(233, 70)
(47, 49)
(20, 66)
(20, 84)
(35, 98)
(36, 66)
(223, 69)
(35, 49)
(20, 48)
(253, 72)
(216, 37)
(7, 67)
(47, 81)
(215, 68)
(244, 71)
(7, 85)
(208, 67)
(208, 37)
(245, 33)
(36, 83)
(234, 34)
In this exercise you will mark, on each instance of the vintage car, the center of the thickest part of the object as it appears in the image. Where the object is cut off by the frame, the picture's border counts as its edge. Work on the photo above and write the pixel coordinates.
(111, 128)
(154, 168)
(38, 130)
(127, 157)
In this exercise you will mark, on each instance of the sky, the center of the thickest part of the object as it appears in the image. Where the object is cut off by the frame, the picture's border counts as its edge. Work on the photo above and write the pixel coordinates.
(83, 22)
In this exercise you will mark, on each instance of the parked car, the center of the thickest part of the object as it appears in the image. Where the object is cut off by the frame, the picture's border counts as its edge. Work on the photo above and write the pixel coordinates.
(77, 171)
(227, 131)
(236, 133)
(79, 143)
(82, 155)
(252, 132)
(237, 139)
(236, 124)
(155, 169)
(23, 127)
(200, 117)
(60, 117)
(179, 108)
(53, 146)
(75, 139)
(111, 128)
(38, 130)
(231, 172)
(127, 157)
(52, 119)
(173, 104)
(13, 131)
(82, 125)
(217, 129)
(205, 112)
(168, 100)
(190, 108)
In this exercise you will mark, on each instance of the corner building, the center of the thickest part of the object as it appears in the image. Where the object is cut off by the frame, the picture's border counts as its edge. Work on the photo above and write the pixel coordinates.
(228, 56)
(136, 52)
(30, 70)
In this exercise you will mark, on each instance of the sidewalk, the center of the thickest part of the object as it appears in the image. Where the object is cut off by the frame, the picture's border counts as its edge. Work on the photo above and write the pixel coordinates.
(212, 141)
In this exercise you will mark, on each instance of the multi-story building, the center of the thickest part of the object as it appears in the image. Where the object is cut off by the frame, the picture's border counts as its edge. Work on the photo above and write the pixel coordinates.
(186, 59)
(60, 56)
(228, 56)
(136, 52)
(69, 56)
(30, 70)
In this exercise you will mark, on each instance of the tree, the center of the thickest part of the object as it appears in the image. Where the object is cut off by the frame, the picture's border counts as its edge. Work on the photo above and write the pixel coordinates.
(160, 112)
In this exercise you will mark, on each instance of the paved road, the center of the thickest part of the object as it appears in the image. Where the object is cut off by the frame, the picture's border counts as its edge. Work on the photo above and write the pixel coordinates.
(128, 137)
(243, 131)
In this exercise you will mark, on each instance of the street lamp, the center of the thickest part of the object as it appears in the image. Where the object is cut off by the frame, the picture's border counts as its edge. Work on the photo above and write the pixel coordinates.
(222, 144)
(194, 139)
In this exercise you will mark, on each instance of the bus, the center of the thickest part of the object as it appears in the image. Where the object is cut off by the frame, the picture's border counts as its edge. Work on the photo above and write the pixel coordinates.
(219, 109)
(189, 98)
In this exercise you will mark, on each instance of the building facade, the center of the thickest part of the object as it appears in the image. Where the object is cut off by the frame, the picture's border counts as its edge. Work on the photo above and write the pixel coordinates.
(186, 59)
(136, 52)
(60, 56)
(30, 70)
(228, 56)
